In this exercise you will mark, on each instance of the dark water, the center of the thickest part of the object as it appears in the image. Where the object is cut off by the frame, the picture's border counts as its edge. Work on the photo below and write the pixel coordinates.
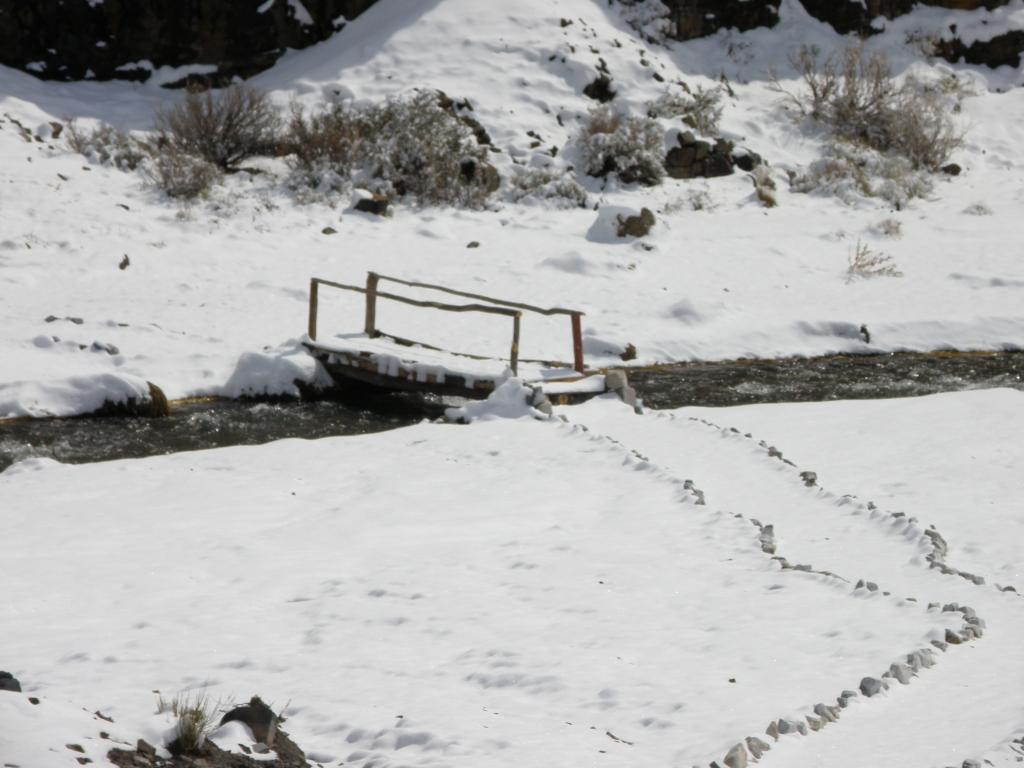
(191, 427)
(213, 425)
(825, 378)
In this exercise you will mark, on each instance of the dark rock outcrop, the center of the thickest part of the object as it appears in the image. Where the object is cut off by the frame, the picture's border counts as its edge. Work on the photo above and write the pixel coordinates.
(699, 18)
(1004, 50)
(76, 39)
(694, 158)
(9, 682)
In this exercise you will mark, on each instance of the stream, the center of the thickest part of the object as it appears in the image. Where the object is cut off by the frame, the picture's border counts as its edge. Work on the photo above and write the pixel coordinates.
(222, 423)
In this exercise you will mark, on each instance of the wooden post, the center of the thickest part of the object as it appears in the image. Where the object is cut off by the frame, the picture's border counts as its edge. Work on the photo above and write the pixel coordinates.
(577, 343)
(370, 326)
(514, 357)
(314, 291)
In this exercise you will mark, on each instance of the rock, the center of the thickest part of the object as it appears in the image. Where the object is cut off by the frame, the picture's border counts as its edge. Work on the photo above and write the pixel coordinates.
(953, 638)
(826, 713)
(901, 672)
(124, 263)
(370, 202)
(145, 749)
(328, 231)
(1003, 50)
(64, 36)
(694, 158)
(697, 18)
(844, 698)
(952, 169)
(746, 160)
(870, 686)
(629, 353)
(736, 757)
(473, 244)
(757, 747)
(636, 226)
(773, 730)
(789, 726)
(815, 723)
(810, 478)
(260, 719)
(600, 89)
(9, 682)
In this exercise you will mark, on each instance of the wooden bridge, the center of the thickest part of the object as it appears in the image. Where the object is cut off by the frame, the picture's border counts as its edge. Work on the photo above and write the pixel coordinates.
(384, 361)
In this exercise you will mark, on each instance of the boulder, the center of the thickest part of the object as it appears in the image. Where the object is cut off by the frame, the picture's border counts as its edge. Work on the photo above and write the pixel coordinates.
(259, 718)
(870, 686)
(9, 682)
(636, 226)
(600, 89)
(79, 39)
(736, 757)
(695, 158)
(370, 202)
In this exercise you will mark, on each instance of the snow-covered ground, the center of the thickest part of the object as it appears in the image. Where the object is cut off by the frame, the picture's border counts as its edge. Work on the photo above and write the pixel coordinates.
(615, 588)
(210, 286)
(593, 610)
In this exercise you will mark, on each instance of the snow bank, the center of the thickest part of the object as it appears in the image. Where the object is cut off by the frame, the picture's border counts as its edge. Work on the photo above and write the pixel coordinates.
(511, 400)
(70, 396)
(284, 371)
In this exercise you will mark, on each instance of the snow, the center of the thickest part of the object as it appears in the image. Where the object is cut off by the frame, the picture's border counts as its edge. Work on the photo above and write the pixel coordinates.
(227, 277)
(594, 606)
(570, 591)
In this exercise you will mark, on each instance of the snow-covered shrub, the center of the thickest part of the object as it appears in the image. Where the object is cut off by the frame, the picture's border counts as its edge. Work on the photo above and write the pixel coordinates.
(326, 146)
(628, 146)
(850, 172)
(181, 175)
(694, 200)
(223, 127)
(552, 184)
(889, 228)
(978, 209)
(107, 145)
(858, 99)
(700, 109)
(764, 186)
(408, 145)
(864, 263)
(651, 18)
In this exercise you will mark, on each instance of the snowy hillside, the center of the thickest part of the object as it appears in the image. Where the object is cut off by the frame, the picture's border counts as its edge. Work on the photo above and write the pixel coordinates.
(206, 283)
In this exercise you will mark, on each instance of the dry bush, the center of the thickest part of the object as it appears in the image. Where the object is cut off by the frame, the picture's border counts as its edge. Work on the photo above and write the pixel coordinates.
(222, 127)
(889, 228)
(700, 109)
(978, 209)
(850, 172)
(181, 175)
(404, 146)
(552, 184)
(864, 263)
(628, 146)
(856, 96)
(197, 719)
(106, 145)
(694, 200)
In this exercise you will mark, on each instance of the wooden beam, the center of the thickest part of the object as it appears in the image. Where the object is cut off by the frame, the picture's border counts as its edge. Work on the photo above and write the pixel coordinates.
(481, 297)
(314, 291)
(577, 343)
(514, 355)
(370, 326)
